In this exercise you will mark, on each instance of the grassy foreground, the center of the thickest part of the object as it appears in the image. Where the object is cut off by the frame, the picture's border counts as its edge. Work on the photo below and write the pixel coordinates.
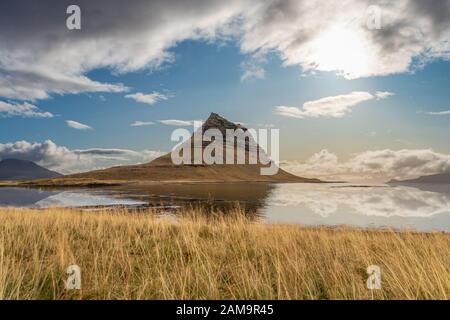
(137, 256)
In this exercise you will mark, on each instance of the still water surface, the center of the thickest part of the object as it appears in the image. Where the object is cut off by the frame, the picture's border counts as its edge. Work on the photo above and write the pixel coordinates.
(421, 208)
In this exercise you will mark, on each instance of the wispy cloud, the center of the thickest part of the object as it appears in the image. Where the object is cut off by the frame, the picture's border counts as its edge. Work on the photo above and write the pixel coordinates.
(141, 123)
(149, 99)
(383, 94)
(178, 123)
(24, 110)
(78, 126)
(334, 106)
(439, 113)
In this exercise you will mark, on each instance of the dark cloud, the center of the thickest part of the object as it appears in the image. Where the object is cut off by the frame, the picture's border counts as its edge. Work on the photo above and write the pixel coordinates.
(437, 12)
(39, 56)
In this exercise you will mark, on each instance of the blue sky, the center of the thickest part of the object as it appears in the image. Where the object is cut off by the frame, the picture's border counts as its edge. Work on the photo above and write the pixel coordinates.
(207, 78)
(338, 91)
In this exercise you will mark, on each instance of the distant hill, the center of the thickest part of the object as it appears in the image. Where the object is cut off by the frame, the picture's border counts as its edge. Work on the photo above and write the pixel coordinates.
(14, 169)
(441, 178)
(163, 170)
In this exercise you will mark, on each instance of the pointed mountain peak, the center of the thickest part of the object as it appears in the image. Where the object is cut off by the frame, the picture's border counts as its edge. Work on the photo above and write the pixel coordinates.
(215, 121)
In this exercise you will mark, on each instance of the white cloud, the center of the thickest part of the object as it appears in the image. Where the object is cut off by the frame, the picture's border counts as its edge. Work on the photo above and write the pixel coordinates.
(38, 84)
(177, 123)
(24, 110)
(439, 113)
(380, 165)
(64, 160)
(47, 153)
(383, 94)
(39, 57)
(77, 125)
(141, 123)
(323, 36)
(150, 98)
(334, 106)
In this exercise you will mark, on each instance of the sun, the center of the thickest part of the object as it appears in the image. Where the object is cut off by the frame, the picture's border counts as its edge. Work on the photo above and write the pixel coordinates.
(341, 49)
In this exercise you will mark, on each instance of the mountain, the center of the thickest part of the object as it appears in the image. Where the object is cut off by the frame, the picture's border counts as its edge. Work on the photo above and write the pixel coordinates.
(164, 170)
(441, 178)
(14, 169)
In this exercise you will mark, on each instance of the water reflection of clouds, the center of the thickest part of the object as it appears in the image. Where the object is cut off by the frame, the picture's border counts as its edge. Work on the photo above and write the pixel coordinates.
(369, 201)
(305, 204)
(75, 199)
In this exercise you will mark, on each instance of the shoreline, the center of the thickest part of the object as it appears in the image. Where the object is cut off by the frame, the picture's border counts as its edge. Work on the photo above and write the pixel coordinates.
(154, 211)
(90, 183)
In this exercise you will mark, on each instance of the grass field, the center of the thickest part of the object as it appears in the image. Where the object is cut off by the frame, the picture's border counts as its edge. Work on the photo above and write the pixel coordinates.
(126, 255)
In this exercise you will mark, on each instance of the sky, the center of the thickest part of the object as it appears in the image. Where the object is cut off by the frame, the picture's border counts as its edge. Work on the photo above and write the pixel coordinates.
(358, 89)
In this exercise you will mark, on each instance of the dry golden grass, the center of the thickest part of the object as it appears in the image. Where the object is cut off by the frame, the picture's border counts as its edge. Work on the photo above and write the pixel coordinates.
(137, 256)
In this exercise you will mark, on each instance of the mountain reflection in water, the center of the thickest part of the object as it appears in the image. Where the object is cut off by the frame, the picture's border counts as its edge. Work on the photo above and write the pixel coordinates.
(305, 204)
(36, 198)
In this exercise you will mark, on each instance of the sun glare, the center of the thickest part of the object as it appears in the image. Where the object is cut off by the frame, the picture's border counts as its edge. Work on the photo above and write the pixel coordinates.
(343, 50)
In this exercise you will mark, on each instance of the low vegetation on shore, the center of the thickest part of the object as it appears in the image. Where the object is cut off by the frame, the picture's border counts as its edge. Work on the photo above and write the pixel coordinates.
(62, 183)
(126, 255)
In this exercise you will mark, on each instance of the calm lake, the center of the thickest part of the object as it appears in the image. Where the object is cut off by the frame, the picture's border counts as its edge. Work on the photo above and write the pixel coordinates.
(424, 209)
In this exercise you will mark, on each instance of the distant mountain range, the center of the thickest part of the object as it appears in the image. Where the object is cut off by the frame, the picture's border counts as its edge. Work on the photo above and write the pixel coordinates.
(14, 169)
(441, 178)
